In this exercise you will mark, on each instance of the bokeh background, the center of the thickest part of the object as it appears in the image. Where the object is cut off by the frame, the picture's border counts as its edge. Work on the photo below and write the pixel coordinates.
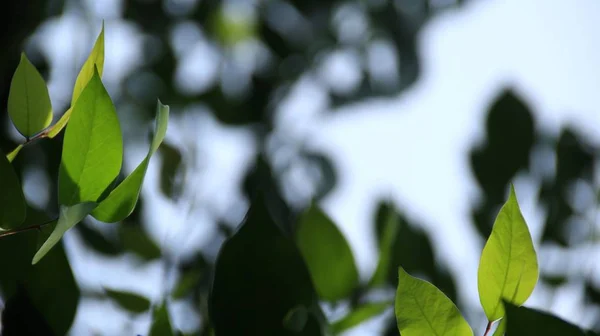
(431, 107)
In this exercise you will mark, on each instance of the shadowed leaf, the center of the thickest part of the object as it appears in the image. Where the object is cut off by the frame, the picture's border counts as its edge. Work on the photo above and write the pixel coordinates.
(132, 302)
(29, 104)
(12, 201)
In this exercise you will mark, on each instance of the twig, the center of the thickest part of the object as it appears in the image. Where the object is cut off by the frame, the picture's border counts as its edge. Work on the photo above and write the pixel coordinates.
(29, 228)
(41, 135)
(488, 328)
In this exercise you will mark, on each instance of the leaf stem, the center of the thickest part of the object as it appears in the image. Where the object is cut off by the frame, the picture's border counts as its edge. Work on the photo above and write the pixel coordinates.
(488, 328)
(28, 140)
(29, 228)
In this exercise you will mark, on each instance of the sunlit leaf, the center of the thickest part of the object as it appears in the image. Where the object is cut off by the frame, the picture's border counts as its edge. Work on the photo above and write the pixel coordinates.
(327, 255)
(161, 323)
(12, 200)
(508, 267)
(359, 315)
(523, 321)
(29, 105)
(93, 147)
(122, 200)
(422, 309)
(94, 60)
(132, 302)
(69, 216)
(259, 277)
(55, 129)
(12, 155)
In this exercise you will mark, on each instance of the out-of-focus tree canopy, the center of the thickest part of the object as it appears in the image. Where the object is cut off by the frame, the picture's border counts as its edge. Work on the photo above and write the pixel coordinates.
(257, 51)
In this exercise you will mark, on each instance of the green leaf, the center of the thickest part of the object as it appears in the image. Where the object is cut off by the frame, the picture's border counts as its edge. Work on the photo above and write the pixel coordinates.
(136, 240)
(327, 255)
(94, 60)
(501, 329)
(29, 105)
(49, 286)
(296, 319)
(387, 238)
(259, 277)
(12, 155)
(69, 216)
(55, 129)
(129, 301)
(359, 315)
(526, 321)
(12, 201)
(171, 168)
(508, 267)
(93, 147)
(185, 284)
(161, 323)
(97, 241)
(422, 309)
(122, 200)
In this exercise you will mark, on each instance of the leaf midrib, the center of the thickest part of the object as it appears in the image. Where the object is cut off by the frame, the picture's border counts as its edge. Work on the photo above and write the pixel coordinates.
(87, 145)
(510, 243)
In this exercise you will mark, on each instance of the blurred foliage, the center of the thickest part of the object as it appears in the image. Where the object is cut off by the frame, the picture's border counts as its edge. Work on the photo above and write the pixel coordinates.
(298, 37)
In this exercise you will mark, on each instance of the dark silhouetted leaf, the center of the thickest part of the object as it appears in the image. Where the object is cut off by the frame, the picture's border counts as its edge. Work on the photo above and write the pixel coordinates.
(129, 301)
(12, 200)
(135, 239)
(20, 317)
(523, 321)
(97, 241)
(161, 323)
(386, 238)
(296, 319)
(187, 281)
(171, 169)
(259, 277)
(49, 285)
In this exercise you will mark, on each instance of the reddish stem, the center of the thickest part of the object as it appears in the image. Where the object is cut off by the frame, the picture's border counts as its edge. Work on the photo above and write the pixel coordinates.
(488, 328)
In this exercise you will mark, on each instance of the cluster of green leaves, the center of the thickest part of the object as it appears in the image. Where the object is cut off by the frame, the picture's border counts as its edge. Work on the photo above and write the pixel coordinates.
(315, 265)
(91, 160)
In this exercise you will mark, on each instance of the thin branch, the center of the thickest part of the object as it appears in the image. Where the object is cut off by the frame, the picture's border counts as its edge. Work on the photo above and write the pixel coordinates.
(42, 135)
(29, 228)
(488, 328)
